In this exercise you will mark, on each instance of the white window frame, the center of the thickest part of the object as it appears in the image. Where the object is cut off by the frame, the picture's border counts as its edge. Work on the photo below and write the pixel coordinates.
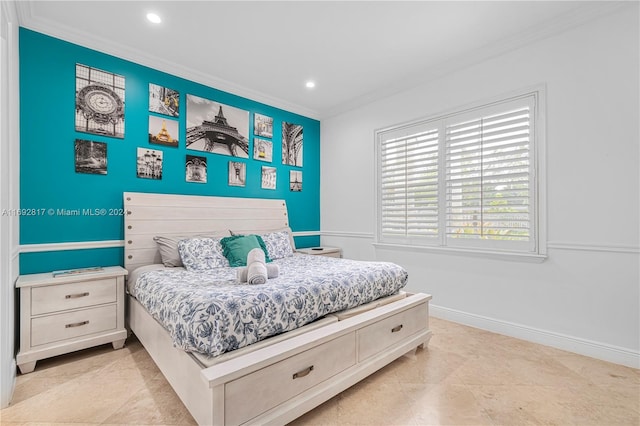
(535, 252)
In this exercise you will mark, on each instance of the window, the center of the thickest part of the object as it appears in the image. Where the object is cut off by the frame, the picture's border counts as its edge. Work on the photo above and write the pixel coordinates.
(465, 180)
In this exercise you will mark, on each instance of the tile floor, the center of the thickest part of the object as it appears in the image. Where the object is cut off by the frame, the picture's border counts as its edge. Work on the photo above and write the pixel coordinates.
(466, 377)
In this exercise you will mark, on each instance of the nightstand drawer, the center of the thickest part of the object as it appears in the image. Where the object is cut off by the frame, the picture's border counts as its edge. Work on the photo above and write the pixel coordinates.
(71, 296)
(53, 328)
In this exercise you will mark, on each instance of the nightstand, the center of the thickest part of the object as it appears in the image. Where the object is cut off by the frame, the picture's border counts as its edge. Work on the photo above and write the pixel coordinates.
(70, 312)
(322, 251)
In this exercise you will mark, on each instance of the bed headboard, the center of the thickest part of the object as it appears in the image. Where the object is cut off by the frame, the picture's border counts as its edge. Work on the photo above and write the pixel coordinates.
(148, 215)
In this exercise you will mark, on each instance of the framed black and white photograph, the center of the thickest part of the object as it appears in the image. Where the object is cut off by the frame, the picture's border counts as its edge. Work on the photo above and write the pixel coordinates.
(91, 157)
(196, 169)
(217, 128)
(149, 163)
(262, 150)
(237, 173)
(99, 102)
(263, 126)
(268, 177)
(163, 100)
(163, 131)
(295, 180)
(292, 144)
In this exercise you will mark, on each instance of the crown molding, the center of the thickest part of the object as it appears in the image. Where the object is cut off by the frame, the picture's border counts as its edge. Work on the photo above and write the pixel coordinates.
(27, 19)
(9, 12)
(546, 29)
(564, 22)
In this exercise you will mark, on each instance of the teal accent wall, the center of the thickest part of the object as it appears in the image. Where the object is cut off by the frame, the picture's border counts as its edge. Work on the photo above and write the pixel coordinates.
(48, 179)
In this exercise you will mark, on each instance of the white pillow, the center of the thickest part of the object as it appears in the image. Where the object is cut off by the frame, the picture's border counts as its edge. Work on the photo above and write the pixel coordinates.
(278, 244)
(202, 254)
(262, 232)
(168, 247)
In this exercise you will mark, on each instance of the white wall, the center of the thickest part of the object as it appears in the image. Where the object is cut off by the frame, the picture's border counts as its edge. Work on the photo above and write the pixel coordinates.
(9, 194)
(585, 297)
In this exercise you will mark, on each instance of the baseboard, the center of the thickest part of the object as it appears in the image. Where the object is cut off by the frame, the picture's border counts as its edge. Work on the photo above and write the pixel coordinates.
(577, 345)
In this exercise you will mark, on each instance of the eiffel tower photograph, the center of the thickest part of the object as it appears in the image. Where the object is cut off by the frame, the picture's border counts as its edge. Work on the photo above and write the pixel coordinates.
(217, 128)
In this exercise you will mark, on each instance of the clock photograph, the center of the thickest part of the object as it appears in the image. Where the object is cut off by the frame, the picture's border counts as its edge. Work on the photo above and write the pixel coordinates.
(99, 102)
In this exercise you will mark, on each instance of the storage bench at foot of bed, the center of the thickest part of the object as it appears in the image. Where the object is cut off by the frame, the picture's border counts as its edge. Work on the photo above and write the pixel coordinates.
(278, 383)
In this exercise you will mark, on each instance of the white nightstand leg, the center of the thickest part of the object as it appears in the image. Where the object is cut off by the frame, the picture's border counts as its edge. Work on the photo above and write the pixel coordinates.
(118, 344)
(27, 367)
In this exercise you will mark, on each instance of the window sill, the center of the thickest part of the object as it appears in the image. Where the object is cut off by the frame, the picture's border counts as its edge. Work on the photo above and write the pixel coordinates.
(500, 255)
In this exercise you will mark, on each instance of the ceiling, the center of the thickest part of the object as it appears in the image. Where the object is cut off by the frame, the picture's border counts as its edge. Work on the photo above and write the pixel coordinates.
(355, 51)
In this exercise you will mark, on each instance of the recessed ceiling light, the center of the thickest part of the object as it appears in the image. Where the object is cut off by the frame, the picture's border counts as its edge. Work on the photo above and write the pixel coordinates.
(152, 17)
(310, 84)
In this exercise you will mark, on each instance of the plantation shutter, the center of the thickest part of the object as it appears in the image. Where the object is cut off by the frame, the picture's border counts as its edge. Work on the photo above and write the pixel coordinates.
(489, 177)
(408, 184)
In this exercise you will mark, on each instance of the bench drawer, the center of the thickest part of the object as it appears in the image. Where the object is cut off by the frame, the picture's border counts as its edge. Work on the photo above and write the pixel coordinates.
(376, 337)
(257, 392)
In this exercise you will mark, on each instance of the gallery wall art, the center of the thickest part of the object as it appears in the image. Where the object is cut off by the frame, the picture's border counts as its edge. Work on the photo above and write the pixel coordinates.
(268, 177)
(163, 131)
(118, 155)
(292, 144)
(217, 128)
(163, 100)
(263, 126)
(237, 173)
(99, 102)
(196, 169)
(295, 180)
(262, 150)
(149, 163)
(91, 157)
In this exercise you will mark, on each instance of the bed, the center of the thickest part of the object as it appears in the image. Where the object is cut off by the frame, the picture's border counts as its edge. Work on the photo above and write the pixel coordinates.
(275, 375)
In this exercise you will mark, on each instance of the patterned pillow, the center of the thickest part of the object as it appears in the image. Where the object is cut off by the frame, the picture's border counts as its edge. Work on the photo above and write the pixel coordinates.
(201, 254)
(278, 244)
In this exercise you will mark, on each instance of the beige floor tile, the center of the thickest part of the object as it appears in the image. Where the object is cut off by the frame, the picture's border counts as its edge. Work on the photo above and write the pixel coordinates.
(525, 405)
(325, 415)
(465, 377)
(445, 404)
(367, 404)
(601, 372)
(155, 403)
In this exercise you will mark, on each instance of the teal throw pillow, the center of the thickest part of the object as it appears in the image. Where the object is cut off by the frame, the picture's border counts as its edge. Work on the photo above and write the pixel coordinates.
(237, 247)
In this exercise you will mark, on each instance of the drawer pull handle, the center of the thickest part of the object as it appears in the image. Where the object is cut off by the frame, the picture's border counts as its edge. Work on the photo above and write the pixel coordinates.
(77, 324)
(303, 372)
(396, 328)
(75, 296)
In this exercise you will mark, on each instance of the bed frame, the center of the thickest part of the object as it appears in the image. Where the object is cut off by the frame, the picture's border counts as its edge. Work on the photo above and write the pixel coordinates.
(281, 378)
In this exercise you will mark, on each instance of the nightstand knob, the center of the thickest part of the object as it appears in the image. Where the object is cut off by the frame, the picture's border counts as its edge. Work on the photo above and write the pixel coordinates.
(129, 242)
(130, 257)
(128, 212)
(129, 227)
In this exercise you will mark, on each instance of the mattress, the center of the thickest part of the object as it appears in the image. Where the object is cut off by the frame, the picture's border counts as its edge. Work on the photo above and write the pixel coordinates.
(212, 313)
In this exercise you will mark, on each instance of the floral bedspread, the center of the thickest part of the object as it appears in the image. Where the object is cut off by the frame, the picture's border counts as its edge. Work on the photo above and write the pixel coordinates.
(212, 313)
